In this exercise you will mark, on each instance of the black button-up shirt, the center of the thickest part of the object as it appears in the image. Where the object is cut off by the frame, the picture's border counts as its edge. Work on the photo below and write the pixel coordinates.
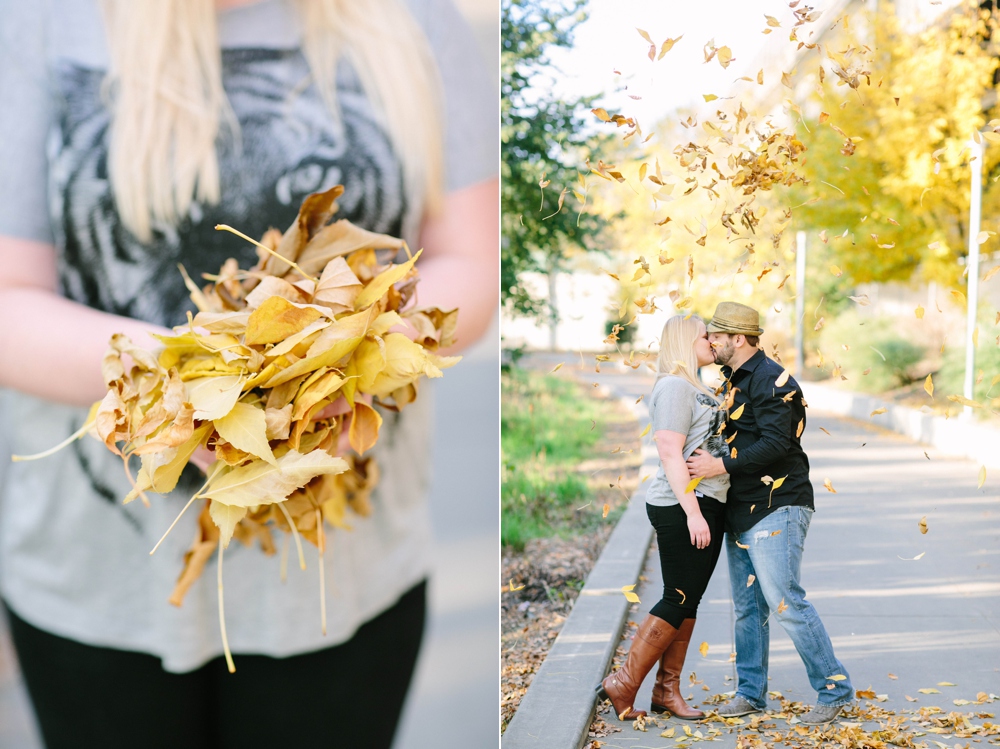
(767, 443)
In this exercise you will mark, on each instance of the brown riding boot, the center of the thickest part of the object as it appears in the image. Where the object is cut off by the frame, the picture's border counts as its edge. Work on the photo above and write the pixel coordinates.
(651, 640)
(667, 692)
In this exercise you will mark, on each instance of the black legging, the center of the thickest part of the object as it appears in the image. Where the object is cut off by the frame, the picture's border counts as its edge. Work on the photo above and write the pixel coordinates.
(349, 695)
(685, 567)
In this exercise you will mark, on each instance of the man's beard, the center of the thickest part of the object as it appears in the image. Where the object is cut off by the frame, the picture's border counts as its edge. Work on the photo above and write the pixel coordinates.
(724, 354)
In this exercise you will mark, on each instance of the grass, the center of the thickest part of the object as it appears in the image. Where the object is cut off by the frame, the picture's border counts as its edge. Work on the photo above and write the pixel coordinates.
(552, 429)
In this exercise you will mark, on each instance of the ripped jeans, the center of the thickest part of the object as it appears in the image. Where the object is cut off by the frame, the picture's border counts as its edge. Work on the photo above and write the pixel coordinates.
(774, 557)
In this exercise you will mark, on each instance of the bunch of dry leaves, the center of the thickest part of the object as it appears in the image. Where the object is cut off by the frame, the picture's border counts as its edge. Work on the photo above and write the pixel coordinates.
(278, 374)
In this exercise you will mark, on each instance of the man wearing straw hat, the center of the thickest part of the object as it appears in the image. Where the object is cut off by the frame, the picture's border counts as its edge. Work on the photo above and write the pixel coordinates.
(767, 517)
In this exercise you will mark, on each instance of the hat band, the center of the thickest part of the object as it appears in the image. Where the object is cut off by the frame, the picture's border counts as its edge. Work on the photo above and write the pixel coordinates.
(738, 327)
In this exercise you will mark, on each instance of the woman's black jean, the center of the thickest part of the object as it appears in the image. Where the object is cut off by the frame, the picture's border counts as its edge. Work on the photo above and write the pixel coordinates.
(348, 695)
(686, 568)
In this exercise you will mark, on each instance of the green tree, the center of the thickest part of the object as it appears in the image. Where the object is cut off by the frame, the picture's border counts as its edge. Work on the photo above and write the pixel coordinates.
(542, 140)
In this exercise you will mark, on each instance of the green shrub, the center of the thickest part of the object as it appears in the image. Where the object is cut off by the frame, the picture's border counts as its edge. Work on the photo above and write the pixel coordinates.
(950, 380)
(868, 339)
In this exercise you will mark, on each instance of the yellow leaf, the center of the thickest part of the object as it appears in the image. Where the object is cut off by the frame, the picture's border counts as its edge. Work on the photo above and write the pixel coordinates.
(923, 524)
(930, 690)
(646, 430)
(829, 486)
(991, 272)
(166, 467)
(836, 271)
(703, 649)
(782, 378)
(644, 35)
(365, 424)
(877, 411)
(213, 397)
(277, 319)
(338, 287)
(692, 484)
(982, 477)
(601, 114)
(959, 296)
(260, 483)
(837, 677)
(667, 46)
(760, 77)
(709, 97)
(965, 401)
(929, 386)
(226, 517)
(381, 283)
(750, 579)
(512, 588)
(605, 510)
(946, 684)
(629, 595)
(778, 482)
(245, 428)
(724, 56)
(405, 362)
(738, 412)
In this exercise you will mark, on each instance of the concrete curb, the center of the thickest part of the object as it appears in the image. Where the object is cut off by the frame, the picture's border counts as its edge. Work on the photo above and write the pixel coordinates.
(955, 436)
(558, 708)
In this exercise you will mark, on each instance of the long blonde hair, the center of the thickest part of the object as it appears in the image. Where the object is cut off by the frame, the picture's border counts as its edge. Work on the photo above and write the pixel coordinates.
(168, 104)
(677, 355)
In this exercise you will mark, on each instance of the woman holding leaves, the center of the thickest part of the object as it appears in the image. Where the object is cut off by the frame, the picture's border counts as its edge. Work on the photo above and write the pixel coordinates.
(132, 128)
(688, 517)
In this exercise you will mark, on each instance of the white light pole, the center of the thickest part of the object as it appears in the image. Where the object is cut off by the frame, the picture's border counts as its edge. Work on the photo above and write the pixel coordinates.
(972, 268)
(800, 301)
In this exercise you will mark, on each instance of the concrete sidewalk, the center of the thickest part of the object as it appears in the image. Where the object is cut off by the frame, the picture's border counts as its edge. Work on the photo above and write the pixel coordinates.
(936, 619)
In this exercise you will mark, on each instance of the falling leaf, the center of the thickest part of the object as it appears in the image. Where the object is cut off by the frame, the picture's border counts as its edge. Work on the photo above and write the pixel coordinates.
(646, 430)
(983, 236)
(738, 412)
(959, 296)
(629, 595)
(893, 677)
(961, 399)
(923, 524)
(825, 431)
(862, 300)
(982, 477)
(782, 607)
(929, 386)
(667, 46)
(877, 411)
(837, 677)
(742, 546)
(991, 272)
(692, 484)
(919, 312)
(782, 378)
(703, 649)
(800, 427)
(683, 595)
(557, 367)
(828, 485)
(606, 509)
(725, 56)
(912, 559)
(750, 579)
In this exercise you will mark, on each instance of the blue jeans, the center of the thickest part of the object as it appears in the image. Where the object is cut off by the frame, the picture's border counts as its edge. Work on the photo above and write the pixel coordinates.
(774, 557)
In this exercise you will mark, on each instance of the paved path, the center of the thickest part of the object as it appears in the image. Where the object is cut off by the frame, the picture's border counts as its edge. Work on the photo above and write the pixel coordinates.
(933, 620)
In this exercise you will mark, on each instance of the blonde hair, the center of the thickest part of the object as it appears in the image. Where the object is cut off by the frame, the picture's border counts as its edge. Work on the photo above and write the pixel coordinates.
(677, 355)
(168, 104)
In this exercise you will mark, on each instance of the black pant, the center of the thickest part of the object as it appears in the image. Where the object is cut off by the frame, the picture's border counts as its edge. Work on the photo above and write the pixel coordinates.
(349, 695)
(686, 568)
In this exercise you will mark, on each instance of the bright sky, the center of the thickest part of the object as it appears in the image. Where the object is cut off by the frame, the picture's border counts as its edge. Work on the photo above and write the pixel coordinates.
(608, 41)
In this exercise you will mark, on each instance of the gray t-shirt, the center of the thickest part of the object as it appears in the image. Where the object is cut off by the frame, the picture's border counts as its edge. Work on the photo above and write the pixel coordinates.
(678, 406)
(73, 560)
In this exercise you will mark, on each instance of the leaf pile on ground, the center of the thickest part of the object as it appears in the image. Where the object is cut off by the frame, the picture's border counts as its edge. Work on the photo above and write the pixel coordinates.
(552, 570)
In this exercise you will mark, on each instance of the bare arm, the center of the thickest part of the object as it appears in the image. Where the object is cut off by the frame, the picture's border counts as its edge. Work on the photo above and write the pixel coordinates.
(52, 347)
(670, 447)
(460, 264)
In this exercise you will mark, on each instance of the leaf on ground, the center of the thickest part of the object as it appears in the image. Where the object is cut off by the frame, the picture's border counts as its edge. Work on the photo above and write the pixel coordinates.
(929, 690)
(513, 588)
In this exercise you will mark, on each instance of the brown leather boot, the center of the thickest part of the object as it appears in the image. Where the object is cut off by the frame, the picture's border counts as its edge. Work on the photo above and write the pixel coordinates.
(651, 640)
(667, 692)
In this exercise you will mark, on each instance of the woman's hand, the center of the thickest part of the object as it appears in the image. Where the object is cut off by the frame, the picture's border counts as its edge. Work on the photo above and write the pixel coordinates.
(698, 527)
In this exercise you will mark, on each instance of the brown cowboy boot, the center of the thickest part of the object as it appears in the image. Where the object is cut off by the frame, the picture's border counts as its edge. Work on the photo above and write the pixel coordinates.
(667, 693)
(651, 640)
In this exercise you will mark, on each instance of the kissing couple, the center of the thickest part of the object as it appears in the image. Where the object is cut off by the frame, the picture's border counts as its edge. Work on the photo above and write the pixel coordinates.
(715, 447)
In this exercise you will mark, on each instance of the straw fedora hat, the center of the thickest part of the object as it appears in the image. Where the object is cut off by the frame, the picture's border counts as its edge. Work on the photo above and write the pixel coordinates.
(733, 317)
